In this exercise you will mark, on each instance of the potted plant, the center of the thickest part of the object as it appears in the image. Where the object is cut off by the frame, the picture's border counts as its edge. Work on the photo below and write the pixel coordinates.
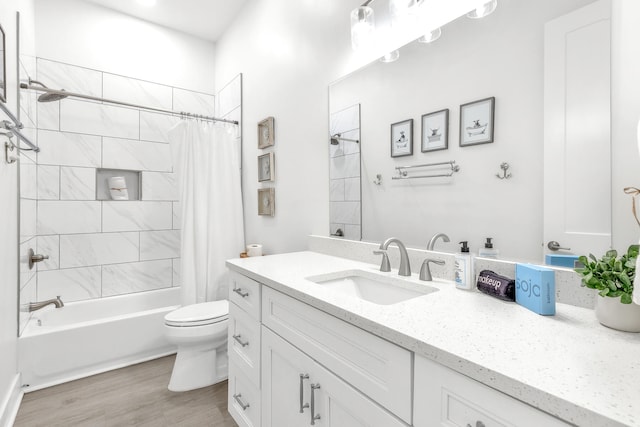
(612, 277)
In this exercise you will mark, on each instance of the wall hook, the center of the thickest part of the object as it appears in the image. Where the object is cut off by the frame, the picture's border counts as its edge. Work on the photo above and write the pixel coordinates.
(378, 180)
(505, 167)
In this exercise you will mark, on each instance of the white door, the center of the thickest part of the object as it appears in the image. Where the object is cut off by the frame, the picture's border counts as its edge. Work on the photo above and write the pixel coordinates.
(577, 136)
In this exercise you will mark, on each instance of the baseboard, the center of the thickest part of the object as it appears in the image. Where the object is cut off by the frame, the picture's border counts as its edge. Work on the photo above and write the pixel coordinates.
(11, 403)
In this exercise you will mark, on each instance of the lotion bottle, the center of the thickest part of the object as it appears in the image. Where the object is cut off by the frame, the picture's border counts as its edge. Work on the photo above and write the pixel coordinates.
(464, 268)
(488, 251)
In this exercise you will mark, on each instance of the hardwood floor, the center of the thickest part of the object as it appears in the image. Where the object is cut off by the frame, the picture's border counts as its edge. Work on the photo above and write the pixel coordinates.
(133, 396)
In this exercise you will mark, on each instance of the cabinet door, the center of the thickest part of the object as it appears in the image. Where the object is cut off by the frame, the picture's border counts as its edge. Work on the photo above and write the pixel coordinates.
(334, 402)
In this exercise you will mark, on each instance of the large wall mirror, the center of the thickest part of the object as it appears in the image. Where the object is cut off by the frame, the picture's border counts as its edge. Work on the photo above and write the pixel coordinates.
(501, 56)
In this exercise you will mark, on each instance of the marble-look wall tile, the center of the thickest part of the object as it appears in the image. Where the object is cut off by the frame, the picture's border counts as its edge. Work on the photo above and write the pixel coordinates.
(27, 294)
(177, 278)
(77, 183)
(136, 91)
(83, 250)
(68, 217)
(177, 209)
(26, 274)
(352, 189)
(71, 78)
(229, 97)
(156, 126)
(136, 155)
(28, 179)
(32, 135)
(28, 219)
(351, 147)
(136, 277)
(48, 117)
(136, 216)
(29, 108)
(159, 186)
(159, 244)
(336, 190)
(344, 212)
(68, 149)
(345, 166)
(49, 245)
(193, 102)
(48, 182)
(345, 120)
(72, 284)
(352, 232)
(99, 119)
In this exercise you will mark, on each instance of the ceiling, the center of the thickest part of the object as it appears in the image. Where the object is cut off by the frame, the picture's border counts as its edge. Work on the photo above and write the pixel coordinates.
(206, 19)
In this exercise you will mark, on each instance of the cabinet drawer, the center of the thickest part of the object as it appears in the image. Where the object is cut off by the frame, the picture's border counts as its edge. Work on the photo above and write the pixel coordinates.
(446, 398)
(377, 368)
(244, 398)
(245, 293)
(244, 343)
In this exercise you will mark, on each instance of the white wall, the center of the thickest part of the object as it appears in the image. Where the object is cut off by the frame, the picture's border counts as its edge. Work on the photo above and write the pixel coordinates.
(8, 213)
(288, 52)
(82, 33)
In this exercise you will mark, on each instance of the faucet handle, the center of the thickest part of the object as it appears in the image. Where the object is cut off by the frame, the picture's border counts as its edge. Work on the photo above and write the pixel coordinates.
(425, 272)
(385, 265)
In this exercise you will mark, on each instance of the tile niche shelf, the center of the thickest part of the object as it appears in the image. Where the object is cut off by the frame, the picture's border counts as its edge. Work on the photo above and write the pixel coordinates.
(131, 177)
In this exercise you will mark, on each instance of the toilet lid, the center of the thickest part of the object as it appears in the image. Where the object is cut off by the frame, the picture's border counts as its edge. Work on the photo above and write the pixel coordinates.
(199, 314)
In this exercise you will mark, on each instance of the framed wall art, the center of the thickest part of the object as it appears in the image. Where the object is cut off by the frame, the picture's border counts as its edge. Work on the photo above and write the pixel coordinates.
(266, 169)
(476, 122)
(402, 138)
(266, 137)
(435, 131)
(267, 201)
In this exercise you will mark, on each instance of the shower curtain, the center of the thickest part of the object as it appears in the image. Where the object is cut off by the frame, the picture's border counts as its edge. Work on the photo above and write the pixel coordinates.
(206, 160)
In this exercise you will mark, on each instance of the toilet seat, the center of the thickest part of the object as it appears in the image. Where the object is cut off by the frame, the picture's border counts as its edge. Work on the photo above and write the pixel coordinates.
(205, 313)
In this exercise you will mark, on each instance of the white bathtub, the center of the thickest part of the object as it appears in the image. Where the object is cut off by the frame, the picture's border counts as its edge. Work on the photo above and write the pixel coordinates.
(88, 337)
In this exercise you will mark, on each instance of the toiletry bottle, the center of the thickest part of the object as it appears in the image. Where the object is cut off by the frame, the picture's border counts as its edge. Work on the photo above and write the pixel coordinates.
(464, 268)
(488, 251)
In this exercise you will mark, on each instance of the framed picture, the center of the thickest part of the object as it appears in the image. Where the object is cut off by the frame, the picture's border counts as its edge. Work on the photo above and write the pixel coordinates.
(435, 131)
(267, 201)
(266, 167)
(402, 138)
(3, 68)
(266, 137)
(476, 122)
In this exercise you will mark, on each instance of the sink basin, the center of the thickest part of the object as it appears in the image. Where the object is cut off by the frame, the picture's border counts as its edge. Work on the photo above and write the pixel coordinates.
(372, 287)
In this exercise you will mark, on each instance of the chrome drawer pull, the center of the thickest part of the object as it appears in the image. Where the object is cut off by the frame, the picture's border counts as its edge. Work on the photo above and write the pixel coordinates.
(242, 343)
(237, 397)
(240, 292)
(302, 404)
(314, 417)
(478, 424)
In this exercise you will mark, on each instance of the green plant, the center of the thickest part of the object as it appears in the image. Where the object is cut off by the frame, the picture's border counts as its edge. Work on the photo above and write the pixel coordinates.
(610, 275)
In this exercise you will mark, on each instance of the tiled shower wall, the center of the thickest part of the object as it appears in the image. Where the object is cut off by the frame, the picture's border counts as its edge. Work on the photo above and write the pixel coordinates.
(101, 248)
(344, 174)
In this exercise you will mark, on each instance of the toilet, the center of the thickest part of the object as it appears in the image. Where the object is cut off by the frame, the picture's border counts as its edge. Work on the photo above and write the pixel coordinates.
(200, 332)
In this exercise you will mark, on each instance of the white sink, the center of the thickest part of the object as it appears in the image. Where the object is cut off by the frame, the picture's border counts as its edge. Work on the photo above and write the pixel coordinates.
(372, 287)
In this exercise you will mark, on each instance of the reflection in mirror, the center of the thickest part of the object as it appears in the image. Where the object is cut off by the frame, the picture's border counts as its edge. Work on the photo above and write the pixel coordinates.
(3, 67)
(500, 56)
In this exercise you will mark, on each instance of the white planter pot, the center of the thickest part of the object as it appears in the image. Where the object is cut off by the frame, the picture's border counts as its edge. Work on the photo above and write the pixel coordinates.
(615, 315)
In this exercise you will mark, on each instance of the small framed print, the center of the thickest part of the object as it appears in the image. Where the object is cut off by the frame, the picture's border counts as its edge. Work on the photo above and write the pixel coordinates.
(476, 122)
(402, 138)
(267, 201)
(266, 167)
(266, 137)
(435, 131)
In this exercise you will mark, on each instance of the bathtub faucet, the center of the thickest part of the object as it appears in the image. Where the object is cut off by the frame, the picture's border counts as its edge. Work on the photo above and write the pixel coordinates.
(33, 306)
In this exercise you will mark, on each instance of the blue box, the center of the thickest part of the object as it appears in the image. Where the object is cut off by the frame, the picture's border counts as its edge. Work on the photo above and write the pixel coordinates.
(536, 289)
(561, 260)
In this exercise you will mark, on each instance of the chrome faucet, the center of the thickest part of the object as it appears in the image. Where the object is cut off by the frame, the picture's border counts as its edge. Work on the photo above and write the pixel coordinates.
(425, 272)
(33, 306)
(435, 237)
(405, 268)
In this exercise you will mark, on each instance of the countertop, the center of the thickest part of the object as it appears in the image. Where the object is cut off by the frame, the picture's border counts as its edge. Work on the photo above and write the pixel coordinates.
(567, 365)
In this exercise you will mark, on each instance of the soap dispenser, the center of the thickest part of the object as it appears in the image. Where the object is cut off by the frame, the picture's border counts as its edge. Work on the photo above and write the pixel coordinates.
(464, 267)
(488, 251)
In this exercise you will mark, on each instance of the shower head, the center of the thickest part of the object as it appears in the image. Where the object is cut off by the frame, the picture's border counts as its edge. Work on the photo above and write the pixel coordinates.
(50, 95)
(336, 138)
(334, 141)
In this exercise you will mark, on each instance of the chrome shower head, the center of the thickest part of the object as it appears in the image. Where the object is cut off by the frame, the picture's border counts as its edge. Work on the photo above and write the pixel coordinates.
(334, 140)
(53, 95)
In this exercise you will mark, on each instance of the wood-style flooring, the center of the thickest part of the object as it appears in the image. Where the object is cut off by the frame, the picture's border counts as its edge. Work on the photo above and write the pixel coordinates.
(133, 396)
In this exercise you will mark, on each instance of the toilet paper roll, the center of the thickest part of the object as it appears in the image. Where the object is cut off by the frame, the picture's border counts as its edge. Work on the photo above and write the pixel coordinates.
(118, 188)
(254, 250)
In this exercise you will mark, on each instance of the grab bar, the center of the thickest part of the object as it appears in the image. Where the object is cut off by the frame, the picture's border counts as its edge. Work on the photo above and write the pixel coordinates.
(403, 174)
(15, 128)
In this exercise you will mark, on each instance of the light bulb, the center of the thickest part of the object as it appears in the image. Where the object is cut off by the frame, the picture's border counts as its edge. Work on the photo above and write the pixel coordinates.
(483, 9)
(391, 56)
(431, 36)
(362, 27)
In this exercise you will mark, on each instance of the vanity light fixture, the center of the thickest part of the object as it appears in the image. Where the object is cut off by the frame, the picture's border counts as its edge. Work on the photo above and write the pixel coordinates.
(363, 26)
(431, 36)
(391, 56)
(483, 9)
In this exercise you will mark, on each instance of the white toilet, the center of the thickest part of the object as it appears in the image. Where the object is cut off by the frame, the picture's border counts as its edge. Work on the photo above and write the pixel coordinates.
(200, 332)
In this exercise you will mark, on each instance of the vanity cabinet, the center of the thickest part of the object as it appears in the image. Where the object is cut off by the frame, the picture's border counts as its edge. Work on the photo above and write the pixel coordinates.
(446, 398)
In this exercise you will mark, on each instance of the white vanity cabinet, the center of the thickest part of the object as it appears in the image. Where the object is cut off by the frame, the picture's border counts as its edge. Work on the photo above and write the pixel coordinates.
(445, 398)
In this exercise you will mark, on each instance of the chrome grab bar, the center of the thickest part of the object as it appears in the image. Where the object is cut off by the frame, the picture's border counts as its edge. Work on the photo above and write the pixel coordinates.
(403, 174)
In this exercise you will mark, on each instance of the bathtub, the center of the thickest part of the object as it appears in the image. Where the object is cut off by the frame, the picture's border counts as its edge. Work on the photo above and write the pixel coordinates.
(89, 337)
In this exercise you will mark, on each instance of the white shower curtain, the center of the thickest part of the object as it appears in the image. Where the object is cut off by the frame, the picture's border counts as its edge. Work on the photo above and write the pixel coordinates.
(206, 160)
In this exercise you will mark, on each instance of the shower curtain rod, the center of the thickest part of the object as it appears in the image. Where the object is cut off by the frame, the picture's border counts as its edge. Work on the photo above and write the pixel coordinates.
(65, 94)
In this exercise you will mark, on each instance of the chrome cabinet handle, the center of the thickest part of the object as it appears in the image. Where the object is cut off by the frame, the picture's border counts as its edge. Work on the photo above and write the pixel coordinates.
(242, 343)
(555, 246)
(302, 404)
(240, 292)
(243, 405)
(314, 417)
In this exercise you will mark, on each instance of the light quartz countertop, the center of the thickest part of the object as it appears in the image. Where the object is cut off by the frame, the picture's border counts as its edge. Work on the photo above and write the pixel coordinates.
(567, 365)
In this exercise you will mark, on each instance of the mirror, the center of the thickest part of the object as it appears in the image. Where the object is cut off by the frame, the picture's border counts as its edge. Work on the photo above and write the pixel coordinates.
(3, 67)
(501, 57)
